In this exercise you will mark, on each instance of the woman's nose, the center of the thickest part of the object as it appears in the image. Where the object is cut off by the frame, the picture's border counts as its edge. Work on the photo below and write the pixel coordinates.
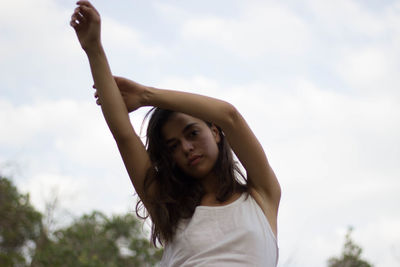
(187, 146)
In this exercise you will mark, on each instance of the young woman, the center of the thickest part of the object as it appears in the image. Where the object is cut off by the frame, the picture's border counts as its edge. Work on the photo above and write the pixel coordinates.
(202, 211)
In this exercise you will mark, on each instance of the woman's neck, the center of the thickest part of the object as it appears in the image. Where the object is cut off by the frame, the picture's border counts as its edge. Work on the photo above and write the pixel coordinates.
(210, 184)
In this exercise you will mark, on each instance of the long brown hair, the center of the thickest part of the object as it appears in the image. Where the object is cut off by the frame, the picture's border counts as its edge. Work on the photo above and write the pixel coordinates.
(176, 195)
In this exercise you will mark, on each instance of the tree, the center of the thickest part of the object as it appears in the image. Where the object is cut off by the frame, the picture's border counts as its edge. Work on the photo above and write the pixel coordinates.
(351, 255)
(91, 240)
(20, 224)
(95, 240)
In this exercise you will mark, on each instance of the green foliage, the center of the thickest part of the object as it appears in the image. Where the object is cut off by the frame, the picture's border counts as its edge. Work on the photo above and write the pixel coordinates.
(93, 240)
(19, 223)
(351, 255)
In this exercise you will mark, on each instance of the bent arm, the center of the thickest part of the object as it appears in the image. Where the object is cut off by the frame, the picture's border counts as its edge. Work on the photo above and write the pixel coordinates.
(239, 135)
(203, 107)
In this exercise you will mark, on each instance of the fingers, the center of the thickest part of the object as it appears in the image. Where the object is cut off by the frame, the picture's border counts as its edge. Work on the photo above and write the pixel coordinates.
(96, 95)
(84, 12)
(88, 12)
(77, 18)
(87, 5)
(97, 98)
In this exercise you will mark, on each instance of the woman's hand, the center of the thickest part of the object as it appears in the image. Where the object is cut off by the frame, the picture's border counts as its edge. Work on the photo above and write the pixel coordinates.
(132, 93)
(86, 22)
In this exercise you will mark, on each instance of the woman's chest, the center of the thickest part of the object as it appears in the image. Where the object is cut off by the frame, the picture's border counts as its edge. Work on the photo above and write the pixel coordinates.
(236, 229)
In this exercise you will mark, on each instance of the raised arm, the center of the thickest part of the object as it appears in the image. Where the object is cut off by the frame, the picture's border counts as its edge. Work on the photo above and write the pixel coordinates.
(86, 22)
(240, 137)
(242, 140)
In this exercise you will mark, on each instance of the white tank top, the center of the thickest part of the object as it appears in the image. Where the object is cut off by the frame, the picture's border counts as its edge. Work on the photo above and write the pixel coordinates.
(237, 234)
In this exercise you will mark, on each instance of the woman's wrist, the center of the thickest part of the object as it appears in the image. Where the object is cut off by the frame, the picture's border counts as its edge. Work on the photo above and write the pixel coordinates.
(94, 50)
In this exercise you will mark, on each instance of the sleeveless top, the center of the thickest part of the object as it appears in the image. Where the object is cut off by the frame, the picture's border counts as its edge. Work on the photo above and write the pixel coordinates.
(237, 234)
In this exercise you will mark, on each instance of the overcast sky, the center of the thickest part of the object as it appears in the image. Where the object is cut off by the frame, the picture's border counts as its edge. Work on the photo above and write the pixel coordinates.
(318, 82)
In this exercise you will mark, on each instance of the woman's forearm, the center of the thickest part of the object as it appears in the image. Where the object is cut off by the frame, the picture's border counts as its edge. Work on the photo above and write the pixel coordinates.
(113, 107)
(209, 109)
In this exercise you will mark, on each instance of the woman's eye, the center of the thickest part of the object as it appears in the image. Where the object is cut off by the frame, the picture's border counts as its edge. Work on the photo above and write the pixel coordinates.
(173, 147)
(194, 133)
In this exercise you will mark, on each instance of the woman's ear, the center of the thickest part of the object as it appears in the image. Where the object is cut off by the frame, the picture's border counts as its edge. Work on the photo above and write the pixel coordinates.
(216, 133)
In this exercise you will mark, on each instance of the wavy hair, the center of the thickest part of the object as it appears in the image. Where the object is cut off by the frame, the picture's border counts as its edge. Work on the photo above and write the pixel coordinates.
(176, 195)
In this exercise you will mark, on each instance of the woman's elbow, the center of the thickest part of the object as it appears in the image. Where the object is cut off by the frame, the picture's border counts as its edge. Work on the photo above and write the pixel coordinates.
(231, 115)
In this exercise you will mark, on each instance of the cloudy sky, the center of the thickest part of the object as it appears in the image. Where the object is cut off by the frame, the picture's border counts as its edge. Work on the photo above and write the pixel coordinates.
(317, 80)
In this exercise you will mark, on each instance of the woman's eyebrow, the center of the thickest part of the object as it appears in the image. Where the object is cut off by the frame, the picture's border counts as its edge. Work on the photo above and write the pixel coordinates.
(187, 127)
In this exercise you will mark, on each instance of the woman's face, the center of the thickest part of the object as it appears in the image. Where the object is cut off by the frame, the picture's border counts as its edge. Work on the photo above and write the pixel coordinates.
(192, 144)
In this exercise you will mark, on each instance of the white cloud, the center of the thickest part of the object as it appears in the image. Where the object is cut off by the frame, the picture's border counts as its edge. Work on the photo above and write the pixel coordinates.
(348, 19)
(121, 37)
(386, 230)
(360, 43)
(66, 147)
(25, 122)
(262, 29)
(370, 69)
(50, 33)
(29, 27)
(75, 131)
(40, 53)
(42, 185)
(199, 84)
(79, 193)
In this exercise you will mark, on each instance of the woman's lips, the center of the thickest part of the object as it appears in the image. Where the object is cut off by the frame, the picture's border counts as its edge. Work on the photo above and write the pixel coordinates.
(194, 160)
